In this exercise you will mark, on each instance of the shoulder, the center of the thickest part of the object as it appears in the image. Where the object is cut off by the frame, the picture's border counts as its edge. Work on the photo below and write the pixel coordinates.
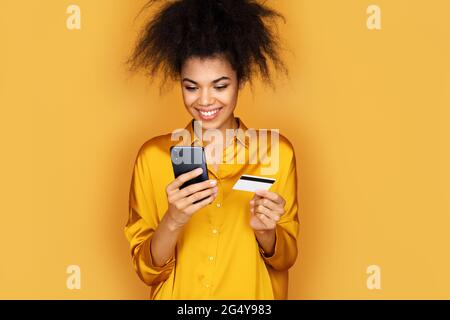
(286, 148)
(283, 141)
(287, 152)
(155, 146)
(286, 144)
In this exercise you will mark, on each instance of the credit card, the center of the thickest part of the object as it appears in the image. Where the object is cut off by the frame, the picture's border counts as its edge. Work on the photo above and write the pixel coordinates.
(252, 183)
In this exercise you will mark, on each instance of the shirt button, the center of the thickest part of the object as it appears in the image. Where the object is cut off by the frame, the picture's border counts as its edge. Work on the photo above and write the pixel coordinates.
(211, 258)
(207, 285)
(215, 231)
(218, 205)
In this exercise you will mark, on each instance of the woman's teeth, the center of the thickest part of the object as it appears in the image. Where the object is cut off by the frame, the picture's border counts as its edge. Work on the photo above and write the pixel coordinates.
(209, 113)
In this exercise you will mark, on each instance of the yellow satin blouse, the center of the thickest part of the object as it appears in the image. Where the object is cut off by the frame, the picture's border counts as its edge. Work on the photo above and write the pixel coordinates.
(217, 255)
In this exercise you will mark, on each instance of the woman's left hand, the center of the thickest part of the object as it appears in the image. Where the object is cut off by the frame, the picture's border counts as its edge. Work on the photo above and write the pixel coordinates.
(266, 209)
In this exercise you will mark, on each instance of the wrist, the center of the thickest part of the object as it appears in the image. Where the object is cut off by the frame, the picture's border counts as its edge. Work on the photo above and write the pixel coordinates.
(172, 224)
(264, 232)
(266, 241)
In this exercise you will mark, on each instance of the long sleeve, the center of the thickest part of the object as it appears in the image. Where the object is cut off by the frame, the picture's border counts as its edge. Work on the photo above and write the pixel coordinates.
(285, 252)
(142, 223)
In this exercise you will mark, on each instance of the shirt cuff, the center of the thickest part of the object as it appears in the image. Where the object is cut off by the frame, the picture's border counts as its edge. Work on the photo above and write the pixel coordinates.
(284, 253)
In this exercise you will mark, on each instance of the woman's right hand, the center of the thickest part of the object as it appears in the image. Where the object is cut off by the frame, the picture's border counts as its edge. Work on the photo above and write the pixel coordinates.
(181, 201)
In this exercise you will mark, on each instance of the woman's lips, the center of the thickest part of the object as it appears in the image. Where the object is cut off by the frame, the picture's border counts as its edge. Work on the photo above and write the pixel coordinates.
(210, 114)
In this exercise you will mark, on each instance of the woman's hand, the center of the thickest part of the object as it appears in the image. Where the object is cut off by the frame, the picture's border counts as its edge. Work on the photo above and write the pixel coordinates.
(266, 209)
(181, 201)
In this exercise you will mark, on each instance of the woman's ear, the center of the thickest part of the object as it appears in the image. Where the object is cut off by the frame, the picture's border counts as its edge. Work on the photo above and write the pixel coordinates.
(241, 85)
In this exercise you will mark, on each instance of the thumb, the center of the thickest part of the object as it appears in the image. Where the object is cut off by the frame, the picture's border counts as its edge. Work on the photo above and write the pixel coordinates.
(253, 200)
(256, 196)
(252, 211)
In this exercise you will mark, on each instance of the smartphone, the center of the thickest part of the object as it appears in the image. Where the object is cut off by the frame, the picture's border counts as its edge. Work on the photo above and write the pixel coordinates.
(188, 158)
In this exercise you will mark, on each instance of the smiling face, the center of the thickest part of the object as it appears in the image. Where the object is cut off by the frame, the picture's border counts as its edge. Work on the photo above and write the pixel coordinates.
(210, 91)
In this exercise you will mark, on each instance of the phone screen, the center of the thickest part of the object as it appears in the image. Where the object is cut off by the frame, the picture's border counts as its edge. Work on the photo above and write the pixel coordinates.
(188, 158)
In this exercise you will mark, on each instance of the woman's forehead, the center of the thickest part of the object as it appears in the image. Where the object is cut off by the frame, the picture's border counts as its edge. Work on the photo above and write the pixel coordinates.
(205, 67)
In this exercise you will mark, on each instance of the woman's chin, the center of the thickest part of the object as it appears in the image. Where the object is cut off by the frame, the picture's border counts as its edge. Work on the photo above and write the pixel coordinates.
(210, 124)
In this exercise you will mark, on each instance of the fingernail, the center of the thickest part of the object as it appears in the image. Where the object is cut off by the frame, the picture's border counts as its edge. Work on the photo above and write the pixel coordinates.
(215, 189)
(213, 182)
(199, 170)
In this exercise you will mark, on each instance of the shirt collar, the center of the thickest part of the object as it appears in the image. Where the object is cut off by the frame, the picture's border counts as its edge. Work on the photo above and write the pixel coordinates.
(239, 137)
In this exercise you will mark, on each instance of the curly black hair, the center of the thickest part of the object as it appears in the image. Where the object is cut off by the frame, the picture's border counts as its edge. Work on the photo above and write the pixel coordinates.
(240, 30)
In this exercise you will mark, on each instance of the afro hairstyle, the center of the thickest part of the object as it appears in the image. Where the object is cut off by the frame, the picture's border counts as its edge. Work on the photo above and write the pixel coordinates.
(239, 30)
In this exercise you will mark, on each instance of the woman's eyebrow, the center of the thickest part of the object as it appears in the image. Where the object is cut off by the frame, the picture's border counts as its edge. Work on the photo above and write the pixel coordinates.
(214, 81)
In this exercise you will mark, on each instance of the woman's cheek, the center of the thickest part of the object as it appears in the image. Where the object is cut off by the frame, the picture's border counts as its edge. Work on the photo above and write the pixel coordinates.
(189, 99)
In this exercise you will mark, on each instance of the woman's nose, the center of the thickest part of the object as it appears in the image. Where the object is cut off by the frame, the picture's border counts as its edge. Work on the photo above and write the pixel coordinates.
(206, 99)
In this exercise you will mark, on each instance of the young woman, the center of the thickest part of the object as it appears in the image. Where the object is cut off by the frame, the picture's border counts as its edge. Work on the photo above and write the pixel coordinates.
(233, 244)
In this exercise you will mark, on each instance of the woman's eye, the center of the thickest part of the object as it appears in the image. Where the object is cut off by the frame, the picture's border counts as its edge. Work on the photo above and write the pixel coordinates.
(194, 88)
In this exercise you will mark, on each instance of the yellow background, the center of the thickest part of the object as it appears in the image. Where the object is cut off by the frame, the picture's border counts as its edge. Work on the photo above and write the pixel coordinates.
(367, 112)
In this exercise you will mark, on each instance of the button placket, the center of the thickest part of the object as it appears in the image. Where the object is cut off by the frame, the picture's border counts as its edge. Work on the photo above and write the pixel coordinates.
(217, 203)
(211, 258)
(205, 282)
(211, 248)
